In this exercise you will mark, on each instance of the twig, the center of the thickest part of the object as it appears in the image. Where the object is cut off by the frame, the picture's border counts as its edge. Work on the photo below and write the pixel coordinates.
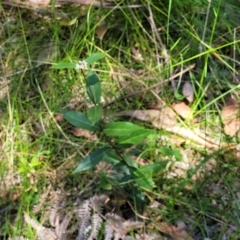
(163, 47)
(153, 86)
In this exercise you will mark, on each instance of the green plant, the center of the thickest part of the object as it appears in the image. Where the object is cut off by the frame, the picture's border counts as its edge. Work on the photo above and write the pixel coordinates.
(119, 137)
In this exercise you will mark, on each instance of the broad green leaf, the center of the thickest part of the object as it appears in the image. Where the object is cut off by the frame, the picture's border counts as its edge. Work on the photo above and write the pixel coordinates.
(94, 92)
(63, 65)
(120, 129)
(178, 96)
(104, 182)
(79, 120)
(73, 21)
(95, 57)
(91, 160)
(112, 158)
(144, 180)
(171, 152)
(135, 137)
(95, 113)
(131, 163)
(154, 168)
(92, 78)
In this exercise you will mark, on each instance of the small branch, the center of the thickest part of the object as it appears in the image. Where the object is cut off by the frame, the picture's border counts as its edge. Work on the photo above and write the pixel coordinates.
(153, 86)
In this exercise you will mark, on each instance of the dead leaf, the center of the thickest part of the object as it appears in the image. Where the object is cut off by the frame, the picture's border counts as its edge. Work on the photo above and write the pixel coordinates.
(166, 119)
(101, 30)
(78, 132)
(230, 111)
(177, 233)
(165, 116)
(42, 232)
(232, 128)
(136, 54)
(187, 91)
(59, 117)
(230, 118)
(183, 110)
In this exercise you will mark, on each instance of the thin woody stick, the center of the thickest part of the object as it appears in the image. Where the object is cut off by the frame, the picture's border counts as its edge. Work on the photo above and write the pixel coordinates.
(153, 86)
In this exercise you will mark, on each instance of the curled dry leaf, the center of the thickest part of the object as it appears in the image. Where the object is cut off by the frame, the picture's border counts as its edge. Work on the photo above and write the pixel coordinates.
(187, 91)
(232, 128)
(59, 117)
(78, 132)
(230, 111)
(136, 54)
(230, 118)
(183, 110)
(177, 233)
(101, 30)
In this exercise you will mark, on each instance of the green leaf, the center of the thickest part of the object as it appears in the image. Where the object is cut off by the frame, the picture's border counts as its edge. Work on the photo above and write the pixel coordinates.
(79, 120)
(131, 163)
(92, 78)
(91, 160)
(144, 180)
(112, 158)
(63, 65)
(94, 92)
(154, 168)
(135, 137)
(73, 21)
(178, 96)
(104, 182)
(171, 152)
(95, 113)
(95, 57)
(120, 129)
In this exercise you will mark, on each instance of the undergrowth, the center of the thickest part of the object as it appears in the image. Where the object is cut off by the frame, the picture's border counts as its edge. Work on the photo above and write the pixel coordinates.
(46, 103)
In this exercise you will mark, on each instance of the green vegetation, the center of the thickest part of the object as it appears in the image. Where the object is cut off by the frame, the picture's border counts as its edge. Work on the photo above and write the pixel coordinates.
(75, 83)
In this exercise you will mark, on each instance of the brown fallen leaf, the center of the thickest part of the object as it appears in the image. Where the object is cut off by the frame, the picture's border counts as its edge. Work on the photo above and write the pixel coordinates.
(230, 111)
(230, 118)
(183, 110)
(166, 119)
(165, 116)
(177, 233)
(187, 91)
(59, 117)
(101, 30)
(232, 128)
(78, 132)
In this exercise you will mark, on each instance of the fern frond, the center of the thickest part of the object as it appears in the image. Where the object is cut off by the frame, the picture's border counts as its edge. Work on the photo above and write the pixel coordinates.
(97, 202)
(133, 224)
(128, 238)
(57, 210)
(153, 236)
(84, 216)
(117, 236)
(43, 233)
(61, 228)
(121, 226)
(96, 225)
(108, 232)
(117, 224)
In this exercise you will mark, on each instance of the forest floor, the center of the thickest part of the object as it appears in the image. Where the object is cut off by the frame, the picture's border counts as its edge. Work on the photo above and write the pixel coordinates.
(177, 59)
